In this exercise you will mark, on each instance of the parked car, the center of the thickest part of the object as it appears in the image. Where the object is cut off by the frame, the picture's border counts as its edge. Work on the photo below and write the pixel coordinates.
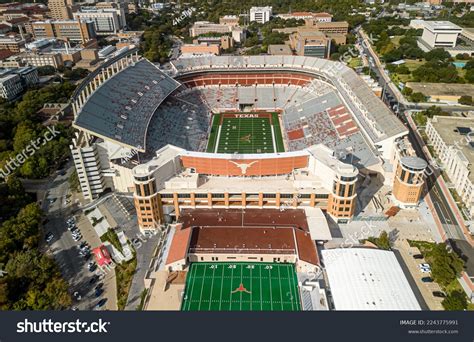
(77, 296)
(439, 294)
(101, 303)
(83, 246)
(93, 279)
(77, 237)
(91, 266)
(425, 270)
(427, 279)
(49, 237)
(98, 292)
(99, 286)
(424, 266)
(418, 256)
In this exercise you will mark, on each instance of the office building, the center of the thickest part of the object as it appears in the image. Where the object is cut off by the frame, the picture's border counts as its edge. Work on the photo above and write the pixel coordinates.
(61, 9)
(106, 21)
(452, 139)
(79, 31)
(261, 14)
(439, 34)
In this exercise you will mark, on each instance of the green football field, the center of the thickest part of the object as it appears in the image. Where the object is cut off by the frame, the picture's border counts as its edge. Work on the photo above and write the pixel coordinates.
(241, 287)
(245, 133)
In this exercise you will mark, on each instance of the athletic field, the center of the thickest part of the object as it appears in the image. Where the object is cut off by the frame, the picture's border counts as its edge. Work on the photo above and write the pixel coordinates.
(241, 287)
(245, 133)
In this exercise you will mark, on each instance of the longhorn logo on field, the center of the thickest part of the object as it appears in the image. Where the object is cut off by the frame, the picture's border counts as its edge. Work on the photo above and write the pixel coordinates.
(241, 288)
(243, 167)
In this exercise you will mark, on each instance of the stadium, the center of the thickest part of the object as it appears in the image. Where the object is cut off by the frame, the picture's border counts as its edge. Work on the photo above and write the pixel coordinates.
(272, 147)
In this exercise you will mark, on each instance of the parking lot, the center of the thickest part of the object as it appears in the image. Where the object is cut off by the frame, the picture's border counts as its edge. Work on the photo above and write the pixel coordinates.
(63, 245)
(413, 265)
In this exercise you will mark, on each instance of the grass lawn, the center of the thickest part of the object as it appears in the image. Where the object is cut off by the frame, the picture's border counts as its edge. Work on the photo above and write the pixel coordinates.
(112, 237)
(241, 287)
(355, 62)
(124, 275)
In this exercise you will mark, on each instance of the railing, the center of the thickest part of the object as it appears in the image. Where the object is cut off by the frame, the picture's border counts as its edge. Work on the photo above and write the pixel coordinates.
(242, 250)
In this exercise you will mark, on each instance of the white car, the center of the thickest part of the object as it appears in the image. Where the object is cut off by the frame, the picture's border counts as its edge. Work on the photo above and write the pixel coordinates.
(424, 266)
(77, 237)
(425, 270)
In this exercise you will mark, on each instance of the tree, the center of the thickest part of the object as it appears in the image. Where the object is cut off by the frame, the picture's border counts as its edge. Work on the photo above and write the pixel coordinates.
(437, 54)
(433, 111)
(407, 91)
(417, 97)
(465, 100)
(46, 70)
(445, 266)
(469, 76)
(383, 241)
(74, 181)
(403, 70)
(455, 301)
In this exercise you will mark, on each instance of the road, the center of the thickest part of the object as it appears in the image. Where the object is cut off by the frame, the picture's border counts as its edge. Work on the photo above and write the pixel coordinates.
(393, 97)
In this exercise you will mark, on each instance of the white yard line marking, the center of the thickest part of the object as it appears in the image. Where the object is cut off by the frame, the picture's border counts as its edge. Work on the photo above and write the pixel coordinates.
(202, 287)
(241, 281)
(273, 138)
(218, 137)
(291, 288)
(251, 290)
(281, 292)
(261, 298)
(222, 284)
(270, 282)
(212, 286)
(231, 289)
(192, 287)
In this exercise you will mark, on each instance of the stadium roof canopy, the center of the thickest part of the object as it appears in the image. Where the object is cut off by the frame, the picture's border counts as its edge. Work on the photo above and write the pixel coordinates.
(367, 279)
(122, 107)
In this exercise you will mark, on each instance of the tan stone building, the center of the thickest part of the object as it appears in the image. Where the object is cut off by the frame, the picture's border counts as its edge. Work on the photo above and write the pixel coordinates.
(73, 30)
(310, 42)
(229, 20)
(409, 175)
(200, 49)
(61, 9)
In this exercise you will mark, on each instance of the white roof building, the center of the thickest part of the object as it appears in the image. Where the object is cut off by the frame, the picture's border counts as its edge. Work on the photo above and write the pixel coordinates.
(367, 279)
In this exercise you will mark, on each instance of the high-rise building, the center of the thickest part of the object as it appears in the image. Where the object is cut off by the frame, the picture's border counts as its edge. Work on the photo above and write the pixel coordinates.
(61, 9)
(106, 21)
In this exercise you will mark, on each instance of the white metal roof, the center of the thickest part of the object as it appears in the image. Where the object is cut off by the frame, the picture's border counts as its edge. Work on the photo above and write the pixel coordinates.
(318, 225)
(367, 279)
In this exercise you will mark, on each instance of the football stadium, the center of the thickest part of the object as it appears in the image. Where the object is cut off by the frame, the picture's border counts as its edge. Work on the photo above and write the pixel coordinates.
(241, 161)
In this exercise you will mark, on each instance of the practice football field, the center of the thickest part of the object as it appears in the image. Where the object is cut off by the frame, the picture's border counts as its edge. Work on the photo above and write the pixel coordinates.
(245, 133)
(241, 287)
